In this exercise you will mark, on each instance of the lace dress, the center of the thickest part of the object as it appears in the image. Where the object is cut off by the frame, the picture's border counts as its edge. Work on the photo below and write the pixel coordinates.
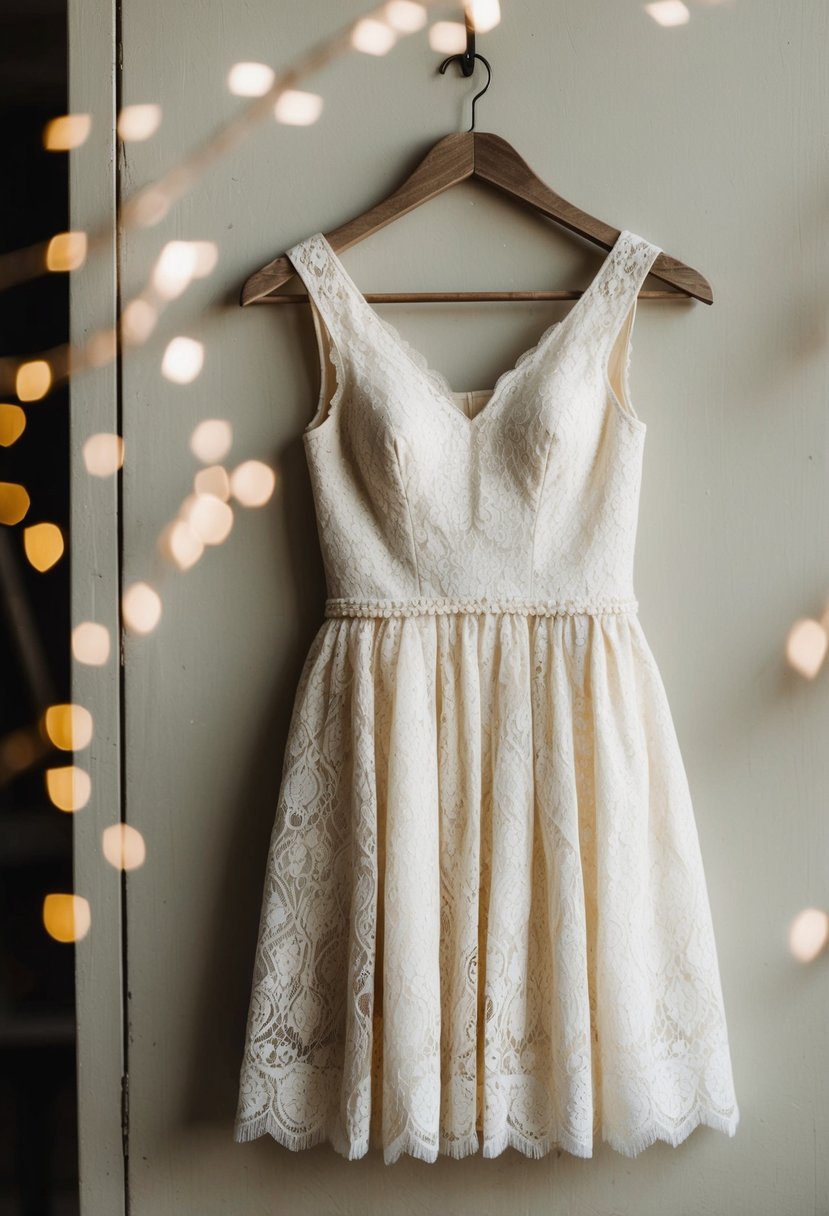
(485, 921)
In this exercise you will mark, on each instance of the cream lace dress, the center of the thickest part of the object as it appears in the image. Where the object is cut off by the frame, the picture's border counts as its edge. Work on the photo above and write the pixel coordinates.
(485, 920)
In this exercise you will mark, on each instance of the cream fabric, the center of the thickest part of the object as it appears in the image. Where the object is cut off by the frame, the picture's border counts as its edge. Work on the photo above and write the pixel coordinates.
(485, 920)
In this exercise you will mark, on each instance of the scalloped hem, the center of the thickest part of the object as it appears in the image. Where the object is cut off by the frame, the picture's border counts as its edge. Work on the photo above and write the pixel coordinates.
(415, 1147)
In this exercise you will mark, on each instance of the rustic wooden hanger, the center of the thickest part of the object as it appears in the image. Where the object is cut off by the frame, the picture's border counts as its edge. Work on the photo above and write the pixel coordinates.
(490, 159)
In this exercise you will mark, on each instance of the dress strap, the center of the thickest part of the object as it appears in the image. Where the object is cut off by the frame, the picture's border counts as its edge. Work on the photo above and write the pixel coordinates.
(615, 297)
(332, 297)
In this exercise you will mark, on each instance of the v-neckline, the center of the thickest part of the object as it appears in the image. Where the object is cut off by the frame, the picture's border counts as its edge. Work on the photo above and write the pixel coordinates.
(443, 392)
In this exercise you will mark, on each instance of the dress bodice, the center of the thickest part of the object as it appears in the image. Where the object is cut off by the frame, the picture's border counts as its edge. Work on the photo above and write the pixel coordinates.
(523, 498)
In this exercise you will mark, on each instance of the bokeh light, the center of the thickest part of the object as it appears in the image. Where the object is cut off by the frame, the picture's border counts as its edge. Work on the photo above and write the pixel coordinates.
(141, 606)
(210, 518)
(68, 131)
(123, 846)
(103, 454)
(66, 918)
(180, 544)
(250, 79)
(68, 787)
(806, 647)
(485, 15)
(14, 502)
(68, 726)
(808, 934)
(405, 16)
(138, 321)
(91, 643)
(252, 483)
(66, 251)
(43, 545)
(373, 37)
(33, 380)
(447, 37)
(12, 424)
(213, 480)
(139, 121)
(297, 108)
(211, 440)
(668, 12)
(183, 360)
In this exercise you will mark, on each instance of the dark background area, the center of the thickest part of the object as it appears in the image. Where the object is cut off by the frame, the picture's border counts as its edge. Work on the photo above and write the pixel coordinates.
(38, 1119)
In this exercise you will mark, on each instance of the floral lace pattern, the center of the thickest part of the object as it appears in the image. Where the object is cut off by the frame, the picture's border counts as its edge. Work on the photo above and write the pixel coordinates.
(485, 921)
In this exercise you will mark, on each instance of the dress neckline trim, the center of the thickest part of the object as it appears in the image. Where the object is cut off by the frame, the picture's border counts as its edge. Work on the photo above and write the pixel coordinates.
(440, 386)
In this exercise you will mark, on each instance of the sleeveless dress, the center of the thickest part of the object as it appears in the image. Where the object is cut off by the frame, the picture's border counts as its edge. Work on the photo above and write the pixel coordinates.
(485, 921)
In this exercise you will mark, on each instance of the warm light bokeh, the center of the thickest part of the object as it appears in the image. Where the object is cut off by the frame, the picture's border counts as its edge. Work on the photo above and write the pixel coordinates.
(808, 934)
(213, 480)
(405, 15)
(210, 518)
(68, 131)
(66, 251)
(12, 424)
(806, 647)
(43, 544)
(68, 726)
(485, 15)
(68, 787)
(141, 606)
(123, 846)
(250, 79)
(14, 502)
(183, 360)
(373, 37)
(66, 918)
(252, 483)
(447, 37)
(103, 454)
(297, 108)
(211, 440)
(138, 321)
(90, 643)
(139, 121)
(668, 12)
(33, 380)
(180, 544)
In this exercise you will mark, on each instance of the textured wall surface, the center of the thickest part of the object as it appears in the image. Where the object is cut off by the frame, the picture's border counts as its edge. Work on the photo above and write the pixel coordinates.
(709, 140)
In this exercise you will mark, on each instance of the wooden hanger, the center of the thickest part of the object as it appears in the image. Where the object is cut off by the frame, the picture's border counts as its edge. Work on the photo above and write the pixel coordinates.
(490, 159)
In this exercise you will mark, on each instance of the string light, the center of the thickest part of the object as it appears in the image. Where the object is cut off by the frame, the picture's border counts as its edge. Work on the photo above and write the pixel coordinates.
(297, 108)
(141, 606)
(252, 483)
(373, 37)
(43, 545)
(14, 502)
(68, 787)
(67, 132)
(250, 79)
(33, 380)
(90, 643)
(211, 440)
(66, 918)
(183, 360)
(138, 122)
(123, 846)
(68, 727)
(12, 424)
(66, 251)
(103, 454)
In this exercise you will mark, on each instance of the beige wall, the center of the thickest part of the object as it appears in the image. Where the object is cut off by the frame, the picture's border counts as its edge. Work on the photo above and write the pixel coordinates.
(708, 140)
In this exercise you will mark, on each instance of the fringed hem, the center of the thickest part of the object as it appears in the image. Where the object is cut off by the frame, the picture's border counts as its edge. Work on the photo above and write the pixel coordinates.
(702, 1116)
(412, 1146)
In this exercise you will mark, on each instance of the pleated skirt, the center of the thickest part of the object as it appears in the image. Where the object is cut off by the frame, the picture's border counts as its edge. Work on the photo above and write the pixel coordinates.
(485, 921)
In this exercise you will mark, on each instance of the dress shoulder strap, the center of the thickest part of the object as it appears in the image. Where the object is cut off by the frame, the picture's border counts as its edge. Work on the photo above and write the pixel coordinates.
(332, 298)
(618, 285)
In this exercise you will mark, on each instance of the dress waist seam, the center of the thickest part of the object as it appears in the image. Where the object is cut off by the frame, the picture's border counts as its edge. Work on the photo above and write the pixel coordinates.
(459, 605)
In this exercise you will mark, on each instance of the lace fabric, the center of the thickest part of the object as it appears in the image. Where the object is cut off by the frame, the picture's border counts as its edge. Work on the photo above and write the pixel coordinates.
(485, 921)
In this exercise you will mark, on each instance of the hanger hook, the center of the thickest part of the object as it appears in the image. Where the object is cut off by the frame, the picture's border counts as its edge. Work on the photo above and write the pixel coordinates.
(462, 58)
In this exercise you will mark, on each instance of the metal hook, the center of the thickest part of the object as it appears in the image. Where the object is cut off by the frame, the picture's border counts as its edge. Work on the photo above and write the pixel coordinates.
(462, 59)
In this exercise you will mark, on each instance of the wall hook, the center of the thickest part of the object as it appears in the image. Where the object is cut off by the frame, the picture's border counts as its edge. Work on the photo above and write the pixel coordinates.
(467, 61)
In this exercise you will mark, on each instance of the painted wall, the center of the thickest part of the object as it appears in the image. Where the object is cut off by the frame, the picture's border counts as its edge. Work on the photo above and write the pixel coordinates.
(709, 140)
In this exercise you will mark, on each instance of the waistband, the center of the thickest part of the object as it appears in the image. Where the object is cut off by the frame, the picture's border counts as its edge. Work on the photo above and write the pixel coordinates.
(450, 605)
